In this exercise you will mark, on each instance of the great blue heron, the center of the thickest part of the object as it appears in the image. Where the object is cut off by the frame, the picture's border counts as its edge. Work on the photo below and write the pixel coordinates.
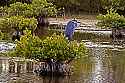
(70, 28)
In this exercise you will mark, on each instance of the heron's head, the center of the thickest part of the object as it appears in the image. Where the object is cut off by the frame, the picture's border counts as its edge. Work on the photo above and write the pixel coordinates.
(74, 19)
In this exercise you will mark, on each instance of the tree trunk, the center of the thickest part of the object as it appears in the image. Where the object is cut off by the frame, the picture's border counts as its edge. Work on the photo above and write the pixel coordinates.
(41, 26)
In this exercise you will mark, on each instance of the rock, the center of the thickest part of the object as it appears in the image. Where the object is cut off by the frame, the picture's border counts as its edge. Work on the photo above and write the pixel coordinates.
(4, 46)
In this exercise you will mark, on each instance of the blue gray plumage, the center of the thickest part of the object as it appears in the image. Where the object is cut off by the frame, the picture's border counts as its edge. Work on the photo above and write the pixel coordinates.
(70, 28)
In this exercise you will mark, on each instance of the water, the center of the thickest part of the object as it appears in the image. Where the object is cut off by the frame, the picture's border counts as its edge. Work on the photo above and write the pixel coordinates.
(4, 46)
(105, 64)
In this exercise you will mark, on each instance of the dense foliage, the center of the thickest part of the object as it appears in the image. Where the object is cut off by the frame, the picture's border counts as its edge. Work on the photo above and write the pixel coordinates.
(20, 15)
(23, 15)
(114, 4)
(111, 20)
(36, 8)
(4, 36)
(65, 3)
(27, 45)
(8, 2)
(54, 47)
(77, 5)
(1, 35)
(18, 22)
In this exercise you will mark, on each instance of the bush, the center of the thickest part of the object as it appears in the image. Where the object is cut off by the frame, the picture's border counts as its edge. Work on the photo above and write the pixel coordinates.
(4, 36)
(8, 2)
(55, 52)
(22, 15)
(111, 20)
(36, 8)
(55, 47)
(18, 22)
(58, 48)
(1, 35)
(27, 45)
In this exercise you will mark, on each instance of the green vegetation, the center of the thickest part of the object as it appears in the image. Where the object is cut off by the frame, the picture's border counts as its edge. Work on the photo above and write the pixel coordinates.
(111, 20)
(54, 47)
(8, 2)
(113, 4)
(77, 5)
(1, 35)
(21, 16)
(18, 22)
(90, 5)
(4, 36)
(38, 7)
(25, 13)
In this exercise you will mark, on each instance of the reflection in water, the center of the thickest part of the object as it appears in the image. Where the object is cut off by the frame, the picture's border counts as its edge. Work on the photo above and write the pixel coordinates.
(21, 72)
(103, 72)
(11, 67)
(106, 67)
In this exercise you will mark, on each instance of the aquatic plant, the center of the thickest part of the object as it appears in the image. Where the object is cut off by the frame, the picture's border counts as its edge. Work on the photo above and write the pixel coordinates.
(55, 51)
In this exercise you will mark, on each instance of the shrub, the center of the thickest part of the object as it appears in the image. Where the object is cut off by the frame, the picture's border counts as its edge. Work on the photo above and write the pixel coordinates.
(58, 48)
(34, 9)
(55, 47)
(4, 36)
(1, 35)
(111, 20)
(27, 45)
(18, 22)
(55, 51)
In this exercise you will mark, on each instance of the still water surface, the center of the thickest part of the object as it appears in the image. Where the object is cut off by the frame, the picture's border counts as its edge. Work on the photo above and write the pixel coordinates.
(106, 64)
